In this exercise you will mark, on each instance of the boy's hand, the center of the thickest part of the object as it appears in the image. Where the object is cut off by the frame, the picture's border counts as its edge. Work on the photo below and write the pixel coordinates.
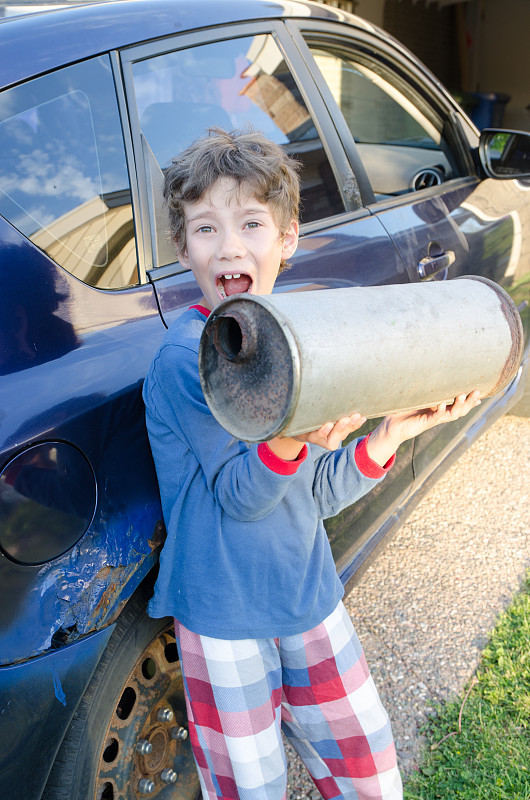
(331, 434)
(397, 428)
(386, 438)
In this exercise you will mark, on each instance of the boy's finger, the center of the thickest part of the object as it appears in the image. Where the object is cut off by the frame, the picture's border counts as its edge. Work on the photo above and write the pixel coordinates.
(353, 421)
(463, 404)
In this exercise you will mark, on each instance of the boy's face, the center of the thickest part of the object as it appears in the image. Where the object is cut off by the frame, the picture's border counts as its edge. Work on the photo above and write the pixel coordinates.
(233, 243)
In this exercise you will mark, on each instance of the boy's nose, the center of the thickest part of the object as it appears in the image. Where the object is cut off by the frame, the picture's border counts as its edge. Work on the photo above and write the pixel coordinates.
(230, 246)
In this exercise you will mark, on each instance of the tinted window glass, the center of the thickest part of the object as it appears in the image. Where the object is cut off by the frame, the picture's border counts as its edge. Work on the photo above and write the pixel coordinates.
(232, 84)
(63, 176)
(399, 137)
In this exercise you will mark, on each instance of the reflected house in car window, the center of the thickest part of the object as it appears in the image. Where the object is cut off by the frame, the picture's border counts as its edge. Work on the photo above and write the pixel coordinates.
(275, 96)
(63, 178)
(95, 241)
(237, 83)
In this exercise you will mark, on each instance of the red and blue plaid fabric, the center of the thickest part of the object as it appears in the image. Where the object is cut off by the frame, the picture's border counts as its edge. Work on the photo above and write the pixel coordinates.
(316, 687)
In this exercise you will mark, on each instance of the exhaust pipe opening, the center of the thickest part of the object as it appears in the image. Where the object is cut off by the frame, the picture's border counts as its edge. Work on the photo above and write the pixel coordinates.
(288, 362)
(234, 337)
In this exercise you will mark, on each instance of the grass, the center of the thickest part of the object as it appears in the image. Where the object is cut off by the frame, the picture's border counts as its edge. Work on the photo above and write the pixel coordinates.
(479, 745)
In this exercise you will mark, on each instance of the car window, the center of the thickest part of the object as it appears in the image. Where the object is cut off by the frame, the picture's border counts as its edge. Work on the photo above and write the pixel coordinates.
(399, 137)
(63, 175)
(231, 84)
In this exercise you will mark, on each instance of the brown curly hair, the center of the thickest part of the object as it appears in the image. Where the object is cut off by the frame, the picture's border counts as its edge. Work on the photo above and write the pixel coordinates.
(246, 156)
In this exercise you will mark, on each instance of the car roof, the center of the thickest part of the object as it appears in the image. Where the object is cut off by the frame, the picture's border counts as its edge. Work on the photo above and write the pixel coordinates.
(62, 33)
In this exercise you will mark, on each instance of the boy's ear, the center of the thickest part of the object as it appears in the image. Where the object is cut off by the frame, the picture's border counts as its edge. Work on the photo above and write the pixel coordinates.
(183, 257)
(290, 240)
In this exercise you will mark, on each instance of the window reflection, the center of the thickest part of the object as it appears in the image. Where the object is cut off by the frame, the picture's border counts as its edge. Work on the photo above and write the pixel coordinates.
(230, 84)
(377, 111)
(63, 177)
(398, 135)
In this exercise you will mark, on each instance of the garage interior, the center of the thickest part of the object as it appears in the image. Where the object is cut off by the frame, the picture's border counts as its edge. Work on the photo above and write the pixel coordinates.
(477, 48)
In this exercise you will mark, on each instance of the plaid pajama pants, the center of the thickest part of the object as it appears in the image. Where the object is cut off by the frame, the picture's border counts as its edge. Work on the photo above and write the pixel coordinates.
(315, 686)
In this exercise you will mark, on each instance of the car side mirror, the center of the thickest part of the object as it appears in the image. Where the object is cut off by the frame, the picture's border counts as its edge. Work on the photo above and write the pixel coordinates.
(505, 154)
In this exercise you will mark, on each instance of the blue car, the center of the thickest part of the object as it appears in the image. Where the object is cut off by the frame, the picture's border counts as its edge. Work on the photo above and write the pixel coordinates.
(398, 186)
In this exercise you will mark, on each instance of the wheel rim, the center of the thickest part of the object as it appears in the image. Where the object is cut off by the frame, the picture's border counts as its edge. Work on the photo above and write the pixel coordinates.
(146, 751)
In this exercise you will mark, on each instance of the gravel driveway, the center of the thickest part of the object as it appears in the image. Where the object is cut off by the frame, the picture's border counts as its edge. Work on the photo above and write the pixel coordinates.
(424, 609)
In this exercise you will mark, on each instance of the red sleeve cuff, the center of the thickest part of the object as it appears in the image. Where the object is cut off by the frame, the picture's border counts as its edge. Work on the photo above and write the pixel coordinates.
(202, 309)
(368, 467)
(277, 464)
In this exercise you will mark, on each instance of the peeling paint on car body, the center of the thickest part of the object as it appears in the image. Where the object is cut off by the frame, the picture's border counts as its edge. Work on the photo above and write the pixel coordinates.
(99, 411)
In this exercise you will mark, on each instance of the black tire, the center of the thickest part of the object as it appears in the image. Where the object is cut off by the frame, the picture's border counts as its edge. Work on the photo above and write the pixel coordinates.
(137, 676)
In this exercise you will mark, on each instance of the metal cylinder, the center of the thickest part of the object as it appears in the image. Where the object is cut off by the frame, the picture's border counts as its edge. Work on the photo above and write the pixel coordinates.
(288, 363)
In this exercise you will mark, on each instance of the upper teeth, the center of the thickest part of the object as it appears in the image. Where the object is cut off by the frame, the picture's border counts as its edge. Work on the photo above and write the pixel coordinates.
(235, 275)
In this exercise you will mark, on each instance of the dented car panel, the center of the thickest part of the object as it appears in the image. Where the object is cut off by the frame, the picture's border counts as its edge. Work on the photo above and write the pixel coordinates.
(85, 390)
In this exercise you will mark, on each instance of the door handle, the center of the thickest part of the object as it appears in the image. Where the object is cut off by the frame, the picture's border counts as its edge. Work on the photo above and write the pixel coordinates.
(434, 263)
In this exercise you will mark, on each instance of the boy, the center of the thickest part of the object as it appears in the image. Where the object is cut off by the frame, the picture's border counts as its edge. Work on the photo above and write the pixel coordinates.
(246, 569)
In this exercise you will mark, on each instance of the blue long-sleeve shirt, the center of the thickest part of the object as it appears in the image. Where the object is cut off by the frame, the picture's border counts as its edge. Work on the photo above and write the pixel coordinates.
(246, 553)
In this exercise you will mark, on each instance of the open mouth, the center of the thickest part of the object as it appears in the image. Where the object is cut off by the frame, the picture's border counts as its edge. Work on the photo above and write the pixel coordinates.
(233, 283)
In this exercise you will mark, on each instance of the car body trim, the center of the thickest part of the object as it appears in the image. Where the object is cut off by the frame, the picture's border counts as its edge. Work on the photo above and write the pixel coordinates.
(131, 164)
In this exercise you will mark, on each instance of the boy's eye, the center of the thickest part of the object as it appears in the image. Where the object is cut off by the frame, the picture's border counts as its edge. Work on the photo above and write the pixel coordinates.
(253, 224)
(205, 229)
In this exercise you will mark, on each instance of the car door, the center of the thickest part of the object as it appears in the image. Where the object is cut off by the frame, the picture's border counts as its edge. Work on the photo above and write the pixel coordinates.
(78, 493)
(254, 75)
(415, 147)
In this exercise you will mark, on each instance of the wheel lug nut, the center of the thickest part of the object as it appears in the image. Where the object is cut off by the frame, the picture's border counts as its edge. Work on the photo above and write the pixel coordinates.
(143, 747)
(164, 715)
(146, 786)
(168, 776)
(179, 733)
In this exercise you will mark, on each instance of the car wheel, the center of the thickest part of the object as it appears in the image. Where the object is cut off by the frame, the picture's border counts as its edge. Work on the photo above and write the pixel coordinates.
(128, 737)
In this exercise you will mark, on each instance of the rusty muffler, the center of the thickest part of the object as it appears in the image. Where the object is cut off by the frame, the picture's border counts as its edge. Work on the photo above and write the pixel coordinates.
(287, 363)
